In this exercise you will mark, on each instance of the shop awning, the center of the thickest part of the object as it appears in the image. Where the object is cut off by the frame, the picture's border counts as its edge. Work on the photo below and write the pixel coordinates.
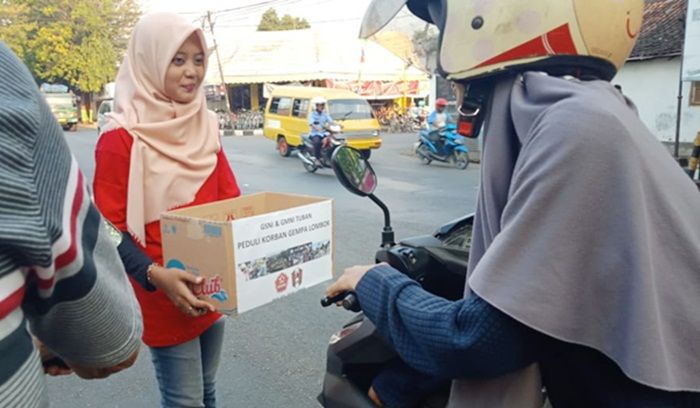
(307, 55)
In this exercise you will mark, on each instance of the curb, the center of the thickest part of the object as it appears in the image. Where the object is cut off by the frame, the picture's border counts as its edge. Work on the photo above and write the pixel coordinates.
(253, 132)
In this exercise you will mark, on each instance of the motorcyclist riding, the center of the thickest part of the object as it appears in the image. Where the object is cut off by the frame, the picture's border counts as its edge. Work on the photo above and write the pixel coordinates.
(439, 117)
(319, 120)
(582, 279)
(437, 120)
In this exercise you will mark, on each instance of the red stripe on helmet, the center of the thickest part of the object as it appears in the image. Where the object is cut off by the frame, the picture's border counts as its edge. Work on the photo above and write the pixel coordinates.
(558, 40)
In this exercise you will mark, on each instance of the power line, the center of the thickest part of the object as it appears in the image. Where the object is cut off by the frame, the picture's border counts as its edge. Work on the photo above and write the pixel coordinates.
(257, 5)
(244, 12)
(198, 13)
(251, 10)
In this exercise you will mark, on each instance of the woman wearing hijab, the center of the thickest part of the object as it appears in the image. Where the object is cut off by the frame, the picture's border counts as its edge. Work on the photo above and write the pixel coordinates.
(161, 150)
(583, 271)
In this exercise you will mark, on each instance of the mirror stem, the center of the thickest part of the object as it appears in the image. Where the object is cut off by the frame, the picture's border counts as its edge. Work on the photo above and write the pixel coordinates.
(388, 232)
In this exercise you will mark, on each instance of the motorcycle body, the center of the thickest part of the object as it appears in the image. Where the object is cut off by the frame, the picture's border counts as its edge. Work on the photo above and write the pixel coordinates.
(444, 145)
(357, 353)
(333, 139)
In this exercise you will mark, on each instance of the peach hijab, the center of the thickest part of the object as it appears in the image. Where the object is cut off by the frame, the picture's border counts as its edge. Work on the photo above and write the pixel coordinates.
(174, 144)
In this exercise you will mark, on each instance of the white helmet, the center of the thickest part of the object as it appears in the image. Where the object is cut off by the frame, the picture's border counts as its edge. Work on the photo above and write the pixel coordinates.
(482, 38)
(318, 100)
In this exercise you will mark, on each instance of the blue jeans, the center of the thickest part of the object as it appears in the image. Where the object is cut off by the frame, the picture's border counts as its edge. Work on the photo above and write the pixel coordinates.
(187, 372)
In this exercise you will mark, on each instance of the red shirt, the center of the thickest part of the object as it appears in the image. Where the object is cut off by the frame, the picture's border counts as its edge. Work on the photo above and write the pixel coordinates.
(164, 324)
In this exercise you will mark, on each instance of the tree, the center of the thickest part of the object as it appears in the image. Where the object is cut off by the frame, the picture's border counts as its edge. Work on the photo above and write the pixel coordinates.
(271, 22)
(75, 42)
(15, 27)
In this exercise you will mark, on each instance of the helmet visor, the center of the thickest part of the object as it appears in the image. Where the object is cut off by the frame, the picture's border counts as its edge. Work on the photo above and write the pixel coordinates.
(379, 14)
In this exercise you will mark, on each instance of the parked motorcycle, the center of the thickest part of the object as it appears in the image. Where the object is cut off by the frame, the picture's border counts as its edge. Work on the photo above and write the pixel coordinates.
(357, 352)
(444, 145)
(417, 123)
(224, 118)
(334, 139)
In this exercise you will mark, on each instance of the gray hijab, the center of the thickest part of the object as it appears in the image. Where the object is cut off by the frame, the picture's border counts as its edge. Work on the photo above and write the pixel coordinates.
(587, 230)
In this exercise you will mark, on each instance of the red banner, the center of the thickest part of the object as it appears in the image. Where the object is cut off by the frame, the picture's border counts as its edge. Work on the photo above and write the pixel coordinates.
(379, 89)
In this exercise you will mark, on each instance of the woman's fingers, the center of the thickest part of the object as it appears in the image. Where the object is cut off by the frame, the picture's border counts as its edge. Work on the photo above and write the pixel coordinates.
(179, 291)
(338, 287)
(190, 278)
(198, 303)
(348, 281)
(183, 305)
(190, 305)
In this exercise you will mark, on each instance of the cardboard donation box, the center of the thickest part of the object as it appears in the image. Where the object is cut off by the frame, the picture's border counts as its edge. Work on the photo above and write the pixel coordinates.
(252, 249)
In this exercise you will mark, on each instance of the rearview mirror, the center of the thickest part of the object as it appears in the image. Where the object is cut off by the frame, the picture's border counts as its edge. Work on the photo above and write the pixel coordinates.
(353, 171)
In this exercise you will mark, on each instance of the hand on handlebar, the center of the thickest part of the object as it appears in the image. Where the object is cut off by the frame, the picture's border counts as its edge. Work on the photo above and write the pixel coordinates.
(348, 300)
(348, 280)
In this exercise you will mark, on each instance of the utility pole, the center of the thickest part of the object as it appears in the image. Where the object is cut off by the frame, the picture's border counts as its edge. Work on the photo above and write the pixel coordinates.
(218, 61)
(679, 106)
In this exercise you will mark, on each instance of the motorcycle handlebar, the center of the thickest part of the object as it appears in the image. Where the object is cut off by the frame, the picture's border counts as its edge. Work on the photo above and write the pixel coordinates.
(327, 301)
(350, 303)
(347, 299)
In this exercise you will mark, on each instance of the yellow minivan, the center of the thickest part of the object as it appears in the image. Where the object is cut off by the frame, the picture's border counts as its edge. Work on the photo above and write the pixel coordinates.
(288, 108)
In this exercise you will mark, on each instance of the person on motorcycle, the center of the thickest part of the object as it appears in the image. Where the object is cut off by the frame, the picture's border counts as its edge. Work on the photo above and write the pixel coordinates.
(582, 279)
(439, 117)
(319, 120)
(437, 120)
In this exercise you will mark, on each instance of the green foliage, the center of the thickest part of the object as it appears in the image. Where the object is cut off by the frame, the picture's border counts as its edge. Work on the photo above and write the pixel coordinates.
(14, 26)
(271, 22)
(75, 42)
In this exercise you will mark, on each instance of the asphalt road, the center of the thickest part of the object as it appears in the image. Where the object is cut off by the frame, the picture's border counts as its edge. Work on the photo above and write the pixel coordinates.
(274, 356)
